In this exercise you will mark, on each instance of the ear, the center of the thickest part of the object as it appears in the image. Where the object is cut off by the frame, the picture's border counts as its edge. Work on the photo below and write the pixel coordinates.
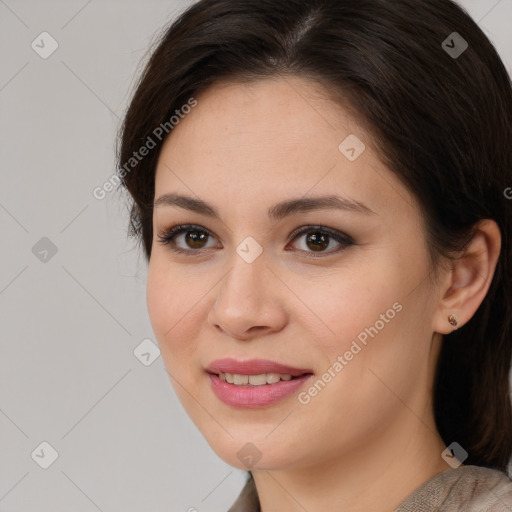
(467, 282)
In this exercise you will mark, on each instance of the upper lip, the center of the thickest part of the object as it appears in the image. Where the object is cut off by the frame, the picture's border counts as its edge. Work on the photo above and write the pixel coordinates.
(253, 367)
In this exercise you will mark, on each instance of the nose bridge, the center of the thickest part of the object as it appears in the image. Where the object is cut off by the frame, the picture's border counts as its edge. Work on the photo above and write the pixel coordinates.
(244, 297)
(248, 272)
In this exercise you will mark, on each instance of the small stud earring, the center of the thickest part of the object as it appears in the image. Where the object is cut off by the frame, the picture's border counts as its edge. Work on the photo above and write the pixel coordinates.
(452, 320)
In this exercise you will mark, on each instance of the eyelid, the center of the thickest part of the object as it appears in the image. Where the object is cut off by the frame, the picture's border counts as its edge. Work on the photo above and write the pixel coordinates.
(167, 237)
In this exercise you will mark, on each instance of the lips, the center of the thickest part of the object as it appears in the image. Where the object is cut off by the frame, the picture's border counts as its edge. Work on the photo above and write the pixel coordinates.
(255, 395)
(254, 367)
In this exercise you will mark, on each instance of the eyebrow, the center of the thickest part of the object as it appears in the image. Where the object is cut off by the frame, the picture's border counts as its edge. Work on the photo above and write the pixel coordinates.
(276, 212)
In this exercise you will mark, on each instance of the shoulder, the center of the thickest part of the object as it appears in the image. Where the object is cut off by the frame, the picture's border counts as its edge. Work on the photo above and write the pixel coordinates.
(466, 488)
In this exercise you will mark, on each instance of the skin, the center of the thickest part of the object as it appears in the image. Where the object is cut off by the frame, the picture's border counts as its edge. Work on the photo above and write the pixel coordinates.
(368, 439)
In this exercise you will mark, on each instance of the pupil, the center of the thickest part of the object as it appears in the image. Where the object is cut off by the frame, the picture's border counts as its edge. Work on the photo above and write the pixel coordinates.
(318, 238)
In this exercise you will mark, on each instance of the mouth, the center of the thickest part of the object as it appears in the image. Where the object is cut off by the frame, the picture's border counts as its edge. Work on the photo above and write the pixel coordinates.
(254, 372)
(254, 383)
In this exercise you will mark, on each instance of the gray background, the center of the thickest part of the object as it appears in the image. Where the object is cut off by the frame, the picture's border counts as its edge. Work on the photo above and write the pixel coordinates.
(72, 320)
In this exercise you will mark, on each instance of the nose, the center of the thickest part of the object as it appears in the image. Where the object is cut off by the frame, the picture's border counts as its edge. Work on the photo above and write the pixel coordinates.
(250, 301)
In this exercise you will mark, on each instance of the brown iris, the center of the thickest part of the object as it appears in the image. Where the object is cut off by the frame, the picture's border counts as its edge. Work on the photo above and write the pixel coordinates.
(195, 238)
(320, 239)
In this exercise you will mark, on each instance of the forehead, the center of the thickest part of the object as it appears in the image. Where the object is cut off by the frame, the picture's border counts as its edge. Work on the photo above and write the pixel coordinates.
(268, 139)
(266, 115)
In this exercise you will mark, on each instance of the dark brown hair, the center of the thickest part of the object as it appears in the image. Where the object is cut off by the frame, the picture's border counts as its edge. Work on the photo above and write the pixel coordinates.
(441, 122)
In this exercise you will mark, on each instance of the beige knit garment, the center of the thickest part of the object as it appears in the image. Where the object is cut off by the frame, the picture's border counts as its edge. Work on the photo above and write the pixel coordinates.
(463, 489)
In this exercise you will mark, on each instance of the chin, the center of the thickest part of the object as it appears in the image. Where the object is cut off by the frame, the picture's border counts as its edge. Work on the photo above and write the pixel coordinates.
(246, 452)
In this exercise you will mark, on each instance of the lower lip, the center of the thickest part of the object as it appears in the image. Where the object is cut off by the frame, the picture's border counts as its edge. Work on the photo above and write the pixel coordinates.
(254, 397)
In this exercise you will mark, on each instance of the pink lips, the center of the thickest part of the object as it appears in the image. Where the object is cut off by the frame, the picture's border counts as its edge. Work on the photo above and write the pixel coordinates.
(254, 396)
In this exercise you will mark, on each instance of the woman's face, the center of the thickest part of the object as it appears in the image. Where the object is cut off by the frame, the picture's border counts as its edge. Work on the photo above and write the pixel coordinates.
(354, 314)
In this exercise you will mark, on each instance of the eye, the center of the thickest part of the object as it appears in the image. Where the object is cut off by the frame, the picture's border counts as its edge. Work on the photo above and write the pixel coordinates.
(319, 238)
(194, 236)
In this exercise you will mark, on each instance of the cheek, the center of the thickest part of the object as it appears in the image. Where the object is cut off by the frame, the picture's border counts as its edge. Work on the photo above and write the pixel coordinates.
(174, 307)
(159, 299)
(346, 303)
(370, 319)
(167, 302)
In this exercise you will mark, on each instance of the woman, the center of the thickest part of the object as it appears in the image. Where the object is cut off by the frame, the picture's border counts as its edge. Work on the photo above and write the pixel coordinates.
(320, 188)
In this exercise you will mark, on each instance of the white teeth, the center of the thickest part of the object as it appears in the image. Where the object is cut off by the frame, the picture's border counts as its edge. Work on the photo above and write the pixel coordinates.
(253, 380)
(257, 380)
(240, 379)
(272, 378)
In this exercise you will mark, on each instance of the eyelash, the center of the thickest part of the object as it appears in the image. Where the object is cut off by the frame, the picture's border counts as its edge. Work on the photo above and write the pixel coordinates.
(168, 236)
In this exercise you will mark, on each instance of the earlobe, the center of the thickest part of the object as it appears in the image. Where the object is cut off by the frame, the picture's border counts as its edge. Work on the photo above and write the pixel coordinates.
(469, 279)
